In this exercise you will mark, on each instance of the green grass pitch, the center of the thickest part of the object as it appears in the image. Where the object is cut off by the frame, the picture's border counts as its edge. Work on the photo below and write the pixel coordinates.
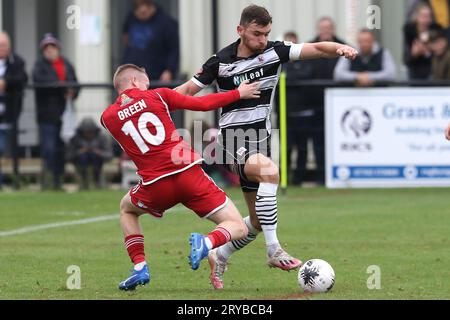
(403, 231)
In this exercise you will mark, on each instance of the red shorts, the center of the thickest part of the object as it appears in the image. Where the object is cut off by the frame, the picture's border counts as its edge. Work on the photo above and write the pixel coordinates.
(192, 187)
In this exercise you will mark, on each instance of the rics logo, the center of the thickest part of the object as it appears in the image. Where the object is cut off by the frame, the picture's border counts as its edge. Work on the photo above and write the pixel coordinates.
(356, 122)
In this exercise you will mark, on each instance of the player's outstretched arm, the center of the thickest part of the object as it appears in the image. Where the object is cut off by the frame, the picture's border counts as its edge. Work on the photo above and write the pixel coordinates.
(188, 88)
(212, 101)
(326, 49)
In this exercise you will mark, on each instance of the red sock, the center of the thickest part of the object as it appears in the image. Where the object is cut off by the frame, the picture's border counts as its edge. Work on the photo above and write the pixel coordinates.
(135, 247)
(219, 237)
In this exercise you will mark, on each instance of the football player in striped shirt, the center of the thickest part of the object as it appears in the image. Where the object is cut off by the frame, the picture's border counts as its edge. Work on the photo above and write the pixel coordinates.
(245, 126)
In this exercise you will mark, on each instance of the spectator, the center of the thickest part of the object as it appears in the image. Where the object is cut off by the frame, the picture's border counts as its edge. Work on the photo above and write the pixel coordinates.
(441, 55)
(152, 41)
(89, 148)
(417, 55)
(298, 112)
(52, 68)
(291, 36)
(372, 64)
(440, 10)
(324, 68)
(306, 105)
(12, 81)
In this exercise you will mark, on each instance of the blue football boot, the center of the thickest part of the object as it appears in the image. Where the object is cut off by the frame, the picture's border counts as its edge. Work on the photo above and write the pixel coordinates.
(199, 250)
(141, 277)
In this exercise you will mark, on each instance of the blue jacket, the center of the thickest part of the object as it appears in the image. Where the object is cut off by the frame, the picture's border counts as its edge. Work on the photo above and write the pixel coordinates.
(153, 44)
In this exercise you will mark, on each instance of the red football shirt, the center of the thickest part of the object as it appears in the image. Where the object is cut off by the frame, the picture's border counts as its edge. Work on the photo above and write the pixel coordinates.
(140, 122)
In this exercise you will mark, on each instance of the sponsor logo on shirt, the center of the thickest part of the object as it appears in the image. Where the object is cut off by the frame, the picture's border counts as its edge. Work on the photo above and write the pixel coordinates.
(125, 100)
(237, 80)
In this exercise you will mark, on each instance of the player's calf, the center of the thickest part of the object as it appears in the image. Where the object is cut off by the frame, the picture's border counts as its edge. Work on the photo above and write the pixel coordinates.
(201, 244)
(261, 169)
(134, 244)
(230, 226)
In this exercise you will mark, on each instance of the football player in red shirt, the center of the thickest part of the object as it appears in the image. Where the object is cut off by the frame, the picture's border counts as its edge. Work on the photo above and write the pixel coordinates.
(169, 168)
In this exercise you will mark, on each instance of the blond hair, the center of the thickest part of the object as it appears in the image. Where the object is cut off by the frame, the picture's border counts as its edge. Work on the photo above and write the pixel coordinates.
(118, 80)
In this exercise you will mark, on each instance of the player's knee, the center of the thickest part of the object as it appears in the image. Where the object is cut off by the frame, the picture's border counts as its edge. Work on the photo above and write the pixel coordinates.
(242, 230)
(126, 207)
(261, 169)
(270, 175)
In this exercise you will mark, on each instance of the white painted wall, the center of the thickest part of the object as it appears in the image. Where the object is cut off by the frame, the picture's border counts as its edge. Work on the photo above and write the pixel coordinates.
(393, 13)
(92, 61)
(26, 45)
(195, 34)
(196, 46)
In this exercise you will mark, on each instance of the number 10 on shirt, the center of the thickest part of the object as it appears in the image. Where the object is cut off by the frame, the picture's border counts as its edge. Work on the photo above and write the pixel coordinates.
(141, 136)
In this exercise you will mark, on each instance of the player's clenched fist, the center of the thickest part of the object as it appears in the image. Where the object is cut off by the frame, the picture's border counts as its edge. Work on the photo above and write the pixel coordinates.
(347, 52)
(249, 90)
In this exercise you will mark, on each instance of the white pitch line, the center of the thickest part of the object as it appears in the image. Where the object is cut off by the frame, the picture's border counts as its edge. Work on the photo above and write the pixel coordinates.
(71, 223)
(57, 225)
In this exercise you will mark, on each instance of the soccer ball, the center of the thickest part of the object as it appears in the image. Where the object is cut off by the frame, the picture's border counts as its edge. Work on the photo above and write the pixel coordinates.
(316, 276)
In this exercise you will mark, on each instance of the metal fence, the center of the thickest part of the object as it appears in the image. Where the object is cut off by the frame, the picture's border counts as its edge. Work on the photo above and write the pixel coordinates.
(24, 135)
(28, 126)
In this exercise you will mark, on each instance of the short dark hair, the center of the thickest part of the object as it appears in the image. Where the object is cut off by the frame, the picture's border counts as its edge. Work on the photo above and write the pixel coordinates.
(138, 3)
(367, 30)
(290, 34)
(255, 14)
(325, 18)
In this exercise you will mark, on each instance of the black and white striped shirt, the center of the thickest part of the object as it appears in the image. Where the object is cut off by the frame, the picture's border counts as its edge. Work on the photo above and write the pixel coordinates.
(229, 70)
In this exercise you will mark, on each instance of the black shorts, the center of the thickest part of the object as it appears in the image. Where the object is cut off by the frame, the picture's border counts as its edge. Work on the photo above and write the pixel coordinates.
(235, 152)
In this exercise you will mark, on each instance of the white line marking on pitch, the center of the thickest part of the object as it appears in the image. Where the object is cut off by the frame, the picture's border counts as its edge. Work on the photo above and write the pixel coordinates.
(57, 225)
(71, 223)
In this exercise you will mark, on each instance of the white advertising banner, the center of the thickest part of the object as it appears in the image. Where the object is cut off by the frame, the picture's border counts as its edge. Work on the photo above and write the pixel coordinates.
(387, 137)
